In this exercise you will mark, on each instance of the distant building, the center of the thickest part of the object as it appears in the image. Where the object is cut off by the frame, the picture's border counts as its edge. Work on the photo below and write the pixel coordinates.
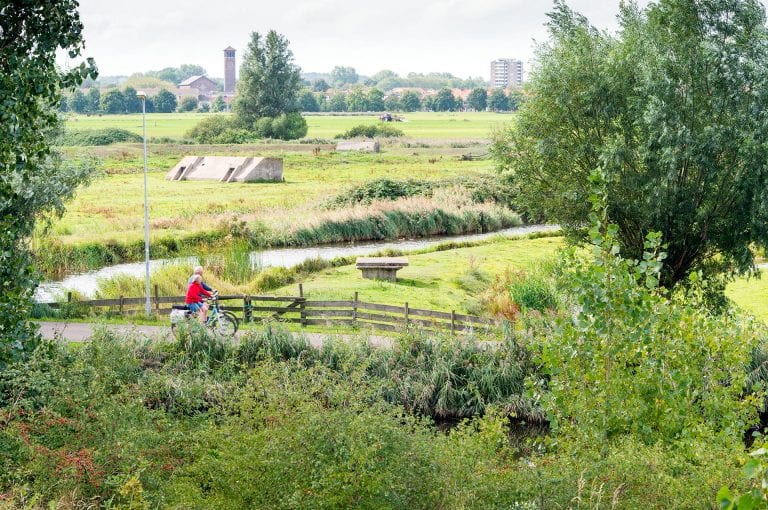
(229, 70)
(204, 85)
(506, 72)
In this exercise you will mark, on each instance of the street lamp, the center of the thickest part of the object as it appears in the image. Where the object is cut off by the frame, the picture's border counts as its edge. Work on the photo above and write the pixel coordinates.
(143, 97)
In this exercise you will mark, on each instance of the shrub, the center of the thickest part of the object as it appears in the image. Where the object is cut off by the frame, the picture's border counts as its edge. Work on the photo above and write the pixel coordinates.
(289, 126)
(106, 136)
(208, 129)
(381, 189)
(372, 131)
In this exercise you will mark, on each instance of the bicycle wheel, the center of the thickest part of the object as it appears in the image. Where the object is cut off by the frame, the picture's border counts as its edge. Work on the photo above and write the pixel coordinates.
(225, 324)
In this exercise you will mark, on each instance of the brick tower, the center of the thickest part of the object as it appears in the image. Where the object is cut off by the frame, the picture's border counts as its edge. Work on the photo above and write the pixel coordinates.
(229, 70)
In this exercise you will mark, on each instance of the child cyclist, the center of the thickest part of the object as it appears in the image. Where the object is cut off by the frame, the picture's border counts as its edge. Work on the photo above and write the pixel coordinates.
(195, 299)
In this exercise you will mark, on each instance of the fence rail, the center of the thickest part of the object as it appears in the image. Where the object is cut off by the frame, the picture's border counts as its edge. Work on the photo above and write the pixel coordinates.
(300, 310)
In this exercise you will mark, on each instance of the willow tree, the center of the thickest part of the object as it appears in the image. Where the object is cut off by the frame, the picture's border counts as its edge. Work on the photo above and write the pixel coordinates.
(673, 110)
(34, 180)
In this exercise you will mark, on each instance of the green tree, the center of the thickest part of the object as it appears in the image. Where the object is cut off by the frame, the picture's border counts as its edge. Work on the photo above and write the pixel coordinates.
(357, 100)
(189, 70)
(478, 99)
(218, 104)
(113, 101)
(375, 100)
(94, 100)
(411, 102)
(308, 102)
(64, 104)
(444, 101)
(338, 103)
(498, 101)
(269, 80)
(392, 103)
(34, 180)
(515, 100)
(341, 76)
(674, 110)
(132, 101)
(164, 102)
(188, 104)
(79, 103)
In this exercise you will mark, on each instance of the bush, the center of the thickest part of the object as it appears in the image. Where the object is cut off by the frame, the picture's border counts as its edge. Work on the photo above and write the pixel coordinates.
(372, 131)
(106, 136)
(381, 189)
(208, 129)
(290, 126)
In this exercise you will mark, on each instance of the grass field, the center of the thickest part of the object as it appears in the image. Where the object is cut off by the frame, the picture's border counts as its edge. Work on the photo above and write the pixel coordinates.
(112, 206)
(441, 280)
(418, 125)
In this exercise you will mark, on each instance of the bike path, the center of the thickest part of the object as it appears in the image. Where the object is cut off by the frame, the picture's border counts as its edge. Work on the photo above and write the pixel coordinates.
(82, 331)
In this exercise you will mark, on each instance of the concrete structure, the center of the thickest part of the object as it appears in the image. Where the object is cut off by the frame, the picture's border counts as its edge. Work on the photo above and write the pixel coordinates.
(227, 169)
(381, 268)
(506, 72)
(363, 146)
(229, 70)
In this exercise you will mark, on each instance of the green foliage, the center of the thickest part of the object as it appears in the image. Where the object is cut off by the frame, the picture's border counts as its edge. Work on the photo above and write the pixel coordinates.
(308, 102)
(756, 468)
(533, 292)
(269, 81)
(218, 105)
(634, 362)
(478, 99)
(381, 189)
(188, 104)
(34, 181)
(177, 75)
(288, 126)
(372, 131)
(673, 109)
(411, 102)
(444, 101)
(113, 102)
(90, 137)
(164, 102)
(498, 101)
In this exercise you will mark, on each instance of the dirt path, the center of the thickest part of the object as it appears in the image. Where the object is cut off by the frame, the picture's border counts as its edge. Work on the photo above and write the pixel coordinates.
(81, 331)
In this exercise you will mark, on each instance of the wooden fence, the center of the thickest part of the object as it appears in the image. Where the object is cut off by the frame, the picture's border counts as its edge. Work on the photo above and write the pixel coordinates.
(300, 310)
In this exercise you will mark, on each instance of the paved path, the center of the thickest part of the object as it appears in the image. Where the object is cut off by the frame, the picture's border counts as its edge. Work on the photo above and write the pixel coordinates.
(82, 331)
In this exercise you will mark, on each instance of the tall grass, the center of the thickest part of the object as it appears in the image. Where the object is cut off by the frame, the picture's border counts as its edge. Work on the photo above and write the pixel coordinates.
(446, 213)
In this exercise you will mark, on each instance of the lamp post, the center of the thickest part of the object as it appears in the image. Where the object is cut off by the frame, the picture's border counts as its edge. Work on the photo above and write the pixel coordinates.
(143, 97)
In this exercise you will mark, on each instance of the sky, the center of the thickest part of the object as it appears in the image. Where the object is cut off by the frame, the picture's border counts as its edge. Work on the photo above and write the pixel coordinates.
(456, 36)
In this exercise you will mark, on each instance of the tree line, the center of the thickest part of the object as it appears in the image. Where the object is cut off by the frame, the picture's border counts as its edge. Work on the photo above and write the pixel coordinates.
(359, 99)
(116, 101)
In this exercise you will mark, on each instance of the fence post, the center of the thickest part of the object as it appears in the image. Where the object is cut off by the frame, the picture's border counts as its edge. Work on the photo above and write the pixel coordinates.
(354, 308)
(406, 314)
(157, 299)
(69, 297)
(247, 311)
(121, 305)
(453, 321)
(302, 306)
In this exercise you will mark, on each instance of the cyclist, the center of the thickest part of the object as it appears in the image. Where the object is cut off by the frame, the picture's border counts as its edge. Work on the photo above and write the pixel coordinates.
(198, 270)
(196, 295)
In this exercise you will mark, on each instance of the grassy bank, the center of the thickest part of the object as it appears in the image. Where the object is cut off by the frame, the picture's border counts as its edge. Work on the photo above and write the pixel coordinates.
(439, 278)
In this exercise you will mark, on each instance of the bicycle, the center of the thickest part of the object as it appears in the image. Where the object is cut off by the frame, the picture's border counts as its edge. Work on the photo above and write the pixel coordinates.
(220, 321)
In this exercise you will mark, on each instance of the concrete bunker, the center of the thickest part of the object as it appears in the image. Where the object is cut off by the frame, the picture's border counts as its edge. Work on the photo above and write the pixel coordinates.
(227, 169)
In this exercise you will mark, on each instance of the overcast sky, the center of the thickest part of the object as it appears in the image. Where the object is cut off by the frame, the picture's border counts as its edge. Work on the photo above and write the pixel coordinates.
(456, 36)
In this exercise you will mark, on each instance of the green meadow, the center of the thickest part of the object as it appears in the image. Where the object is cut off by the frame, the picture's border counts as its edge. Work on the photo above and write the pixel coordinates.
(417, 125)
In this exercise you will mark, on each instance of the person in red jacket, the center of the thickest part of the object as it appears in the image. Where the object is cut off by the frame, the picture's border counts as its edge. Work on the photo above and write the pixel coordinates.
(195, 299)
